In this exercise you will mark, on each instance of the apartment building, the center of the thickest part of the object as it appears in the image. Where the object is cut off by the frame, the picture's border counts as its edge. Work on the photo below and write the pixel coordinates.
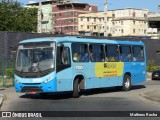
(60, 16)
(45, 22)
(65, 20)
(121, 22)
(93, 23)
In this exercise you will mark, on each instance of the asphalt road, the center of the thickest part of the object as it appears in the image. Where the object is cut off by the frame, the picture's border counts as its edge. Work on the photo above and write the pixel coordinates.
(94, 100)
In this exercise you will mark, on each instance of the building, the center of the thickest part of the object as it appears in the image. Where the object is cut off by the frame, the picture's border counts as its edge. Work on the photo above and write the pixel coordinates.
(66, 16)
(93, 23)
(154, 24)
(60, 16)
(45, 23)
(121, 22)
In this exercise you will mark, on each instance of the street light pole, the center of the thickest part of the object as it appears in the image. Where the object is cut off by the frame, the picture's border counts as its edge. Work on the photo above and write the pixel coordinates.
(105, 18)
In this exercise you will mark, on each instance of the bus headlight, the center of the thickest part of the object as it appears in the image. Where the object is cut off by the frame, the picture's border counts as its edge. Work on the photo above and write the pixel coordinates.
(48, 80)
(16, 81)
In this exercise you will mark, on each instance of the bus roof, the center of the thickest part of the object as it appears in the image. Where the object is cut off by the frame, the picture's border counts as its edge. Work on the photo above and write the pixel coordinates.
(78, 39)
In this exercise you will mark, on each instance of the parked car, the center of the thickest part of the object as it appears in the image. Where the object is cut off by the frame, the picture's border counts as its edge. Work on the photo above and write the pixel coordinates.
(156, 75)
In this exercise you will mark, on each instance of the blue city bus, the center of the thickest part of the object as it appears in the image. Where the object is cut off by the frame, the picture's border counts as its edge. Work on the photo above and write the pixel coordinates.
(59, 64)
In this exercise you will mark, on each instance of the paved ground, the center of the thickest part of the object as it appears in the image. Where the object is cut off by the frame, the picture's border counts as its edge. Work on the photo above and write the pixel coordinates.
(97, 100)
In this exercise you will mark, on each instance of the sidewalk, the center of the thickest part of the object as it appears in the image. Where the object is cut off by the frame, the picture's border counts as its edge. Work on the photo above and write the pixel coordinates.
(1, 97)
(152, 95)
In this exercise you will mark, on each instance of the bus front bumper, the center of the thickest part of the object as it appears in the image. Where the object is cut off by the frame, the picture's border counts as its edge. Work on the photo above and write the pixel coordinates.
(50, 86)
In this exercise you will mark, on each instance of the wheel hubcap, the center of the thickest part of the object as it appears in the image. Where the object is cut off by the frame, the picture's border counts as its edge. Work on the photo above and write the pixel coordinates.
(127, 83)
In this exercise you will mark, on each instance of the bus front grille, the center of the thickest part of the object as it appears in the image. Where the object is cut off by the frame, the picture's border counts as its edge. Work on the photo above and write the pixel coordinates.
(31, 89)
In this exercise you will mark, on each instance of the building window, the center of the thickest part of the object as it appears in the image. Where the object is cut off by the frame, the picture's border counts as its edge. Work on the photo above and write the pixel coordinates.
(81, 19)
(134, 31)
(94, 19)
(144, 31)
(134, 14)
(121, 22)
(107, 27)
(87, 26)
(88, 19)
(113, 15)
(134, 22)
(113, 23)
(94, 27)
(81, 26)
(145, 15)
(122, 30)
(76, 28)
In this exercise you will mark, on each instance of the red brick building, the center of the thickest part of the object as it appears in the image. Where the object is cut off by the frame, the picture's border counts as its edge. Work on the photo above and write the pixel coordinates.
(65, 16)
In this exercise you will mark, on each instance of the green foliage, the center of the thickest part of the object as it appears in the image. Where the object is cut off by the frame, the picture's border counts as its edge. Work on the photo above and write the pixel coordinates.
(151, 66)
(14, 17)
(10, 72)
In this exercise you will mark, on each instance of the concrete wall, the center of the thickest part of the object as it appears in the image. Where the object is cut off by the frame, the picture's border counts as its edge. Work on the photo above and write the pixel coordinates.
(9, 40)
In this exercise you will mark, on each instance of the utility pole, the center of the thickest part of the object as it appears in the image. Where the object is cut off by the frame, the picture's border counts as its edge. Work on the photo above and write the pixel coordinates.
(105, 18)
(39, 27)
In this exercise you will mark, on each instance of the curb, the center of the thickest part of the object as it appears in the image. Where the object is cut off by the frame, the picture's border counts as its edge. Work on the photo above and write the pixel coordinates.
(1, 100)
(150, 98)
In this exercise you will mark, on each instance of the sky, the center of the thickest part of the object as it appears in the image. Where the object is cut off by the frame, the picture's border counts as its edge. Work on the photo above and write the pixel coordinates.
(151, 5)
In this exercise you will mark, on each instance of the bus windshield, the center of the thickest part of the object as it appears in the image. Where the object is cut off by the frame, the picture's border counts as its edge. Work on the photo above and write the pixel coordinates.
(35, 58)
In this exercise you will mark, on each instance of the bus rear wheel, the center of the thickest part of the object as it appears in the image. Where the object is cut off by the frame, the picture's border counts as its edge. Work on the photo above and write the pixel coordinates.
(126, 83)
(76, 88)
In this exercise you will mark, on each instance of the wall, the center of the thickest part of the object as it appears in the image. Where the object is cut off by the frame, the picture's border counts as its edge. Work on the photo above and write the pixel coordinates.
(10, 40)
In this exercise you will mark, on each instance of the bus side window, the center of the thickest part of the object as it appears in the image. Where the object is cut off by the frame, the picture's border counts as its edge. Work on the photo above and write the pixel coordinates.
(65, 58)
(125, 54)
(96, 53)
(138, 53)
(80, 52)
(112, 54)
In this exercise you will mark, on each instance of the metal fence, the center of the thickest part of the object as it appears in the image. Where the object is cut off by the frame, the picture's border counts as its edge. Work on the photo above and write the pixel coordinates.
(7, 68)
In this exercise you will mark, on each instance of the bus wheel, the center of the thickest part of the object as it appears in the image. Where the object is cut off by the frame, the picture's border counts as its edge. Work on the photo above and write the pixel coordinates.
(126, 83)
(76, 88)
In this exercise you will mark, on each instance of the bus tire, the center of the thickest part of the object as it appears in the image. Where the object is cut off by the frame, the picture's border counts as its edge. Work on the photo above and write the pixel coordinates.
(126, 83)
(76, 88)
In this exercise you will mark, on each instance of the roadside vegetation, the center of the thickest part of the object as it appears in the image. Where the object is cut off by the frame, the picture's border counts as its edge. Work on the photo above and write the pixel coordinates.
(151, 66)
(14, 17)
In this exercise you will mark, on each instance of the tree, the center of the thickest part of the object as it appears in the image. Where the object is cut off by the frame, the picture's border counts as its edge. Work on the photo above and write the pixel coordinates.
(14, 17)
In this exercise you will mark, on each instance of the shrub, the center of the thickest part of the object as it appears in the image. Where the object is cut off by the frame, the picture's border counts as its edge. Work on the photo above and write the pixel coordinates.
(9, 72)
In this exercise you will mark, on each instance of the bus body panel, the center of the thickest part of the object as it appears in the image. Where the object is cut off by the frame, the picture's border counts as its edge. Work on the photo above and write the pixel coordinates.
(96, 74)
(64, 80)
